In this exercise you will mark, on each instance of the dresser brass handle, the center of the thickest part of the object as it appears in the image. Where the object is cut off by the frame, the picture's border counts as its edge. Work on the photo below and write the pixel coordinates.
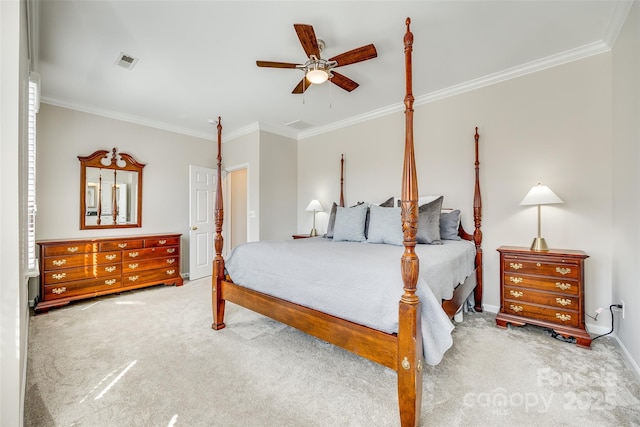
(110, 282)
(405, 364)
(515, 265)
(72, 249)
(563, 301)
(122, 245)
(133, 266)
(563, 317)
(515, 280)
(516, 308)
(133, 254)
(110, 269)
(563, 286)
(516, 294)
(563, 270)
(133, 278)
(171, 261)
(111, 257)
(59, 262)
(59, 276)
(162, 242)
(59, 291)
(171, 250)
(170, 272)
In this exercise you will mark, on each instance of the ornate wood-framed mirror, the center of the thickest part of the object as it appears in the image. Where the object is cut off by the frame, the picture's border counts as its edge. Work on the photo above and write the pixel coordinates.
(110, 190)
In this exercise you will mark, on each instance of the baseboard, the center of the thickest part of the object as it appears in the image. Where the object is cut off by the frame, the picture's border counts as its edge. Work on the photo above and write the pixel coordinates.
(491, 308)
(629, 359)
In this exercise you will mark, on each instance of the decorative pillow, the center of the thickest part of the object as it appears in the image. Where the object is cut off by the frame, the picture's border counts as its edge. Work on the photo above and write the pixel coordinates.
(349, 224)
(422, 200)
(449, 223)
(332, 221)
(385, 225)
(387, 203)
(429, 222)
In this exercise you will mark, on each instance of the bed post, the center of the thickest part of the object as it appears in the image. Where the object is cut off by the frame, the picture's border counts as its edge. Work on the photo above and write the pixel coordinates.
(409, 334)
(217, 303)
(342, 180)
(477, 234)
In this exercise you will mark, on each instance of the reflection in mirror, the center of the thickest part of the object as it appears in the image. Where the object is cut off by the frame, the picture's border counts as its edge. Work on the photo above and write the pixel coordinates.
(111, 190)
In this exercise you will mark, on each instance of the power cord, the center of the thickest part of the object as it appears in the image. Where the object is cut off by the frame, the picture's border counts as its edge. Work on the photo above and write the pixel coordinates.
(611, 310)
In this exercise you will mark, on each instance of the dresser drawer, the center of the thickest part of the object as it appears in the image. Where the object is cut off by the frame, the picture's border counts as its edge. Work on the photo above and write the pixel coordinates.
(80, 287)
(554, 269)
(159, 275)
(81, 260)
(138, 254)
(70, 248)
(161, 241)
(149, 264)
(542, 298)
(563, 317)
(121, 245)
(79, 273)
(569, 287)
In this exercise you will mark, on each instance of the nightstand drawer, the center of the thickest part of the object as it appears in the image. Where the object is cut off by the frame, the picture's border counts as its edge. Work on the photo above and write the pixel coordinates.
(552, 284)
(542, 298)
(554, 269)
(563, 317)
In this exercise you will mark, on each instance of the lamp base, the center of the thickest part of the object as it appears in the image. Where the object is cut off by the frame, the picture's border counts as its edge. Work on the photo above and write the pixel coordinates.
(539, 244)
(314, 233)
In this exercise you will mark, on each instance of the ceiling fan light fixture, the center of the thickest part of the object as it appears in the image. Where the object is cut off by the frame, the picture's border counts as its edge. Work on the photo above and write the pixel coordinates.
(317, 76)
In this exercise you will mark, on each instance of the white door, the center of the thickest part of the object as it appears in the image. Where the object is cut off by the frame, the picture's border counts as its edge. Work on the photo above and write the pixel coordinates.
(202, 194)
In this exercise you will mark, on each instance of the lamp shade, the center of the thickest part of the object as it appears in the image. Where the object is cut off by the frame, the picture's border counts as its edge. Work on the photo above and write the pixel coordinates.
(314, 206)
(317, 76)
(540, 195)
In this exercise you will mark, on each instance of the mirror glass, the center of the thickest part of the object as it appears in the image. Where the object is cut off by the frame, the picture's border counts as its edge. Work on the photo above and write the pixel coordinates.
(111, 190)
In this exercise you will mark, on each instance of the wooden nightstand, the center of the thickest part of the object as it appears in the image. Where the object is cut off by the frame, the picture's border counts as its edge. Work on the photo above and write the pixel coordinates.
(301, 236)
(544, 289)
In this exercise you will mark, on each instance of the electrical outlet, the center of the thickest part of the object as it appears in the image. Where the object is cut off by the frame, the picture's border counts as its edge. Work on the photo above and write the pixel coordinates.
(622, 304)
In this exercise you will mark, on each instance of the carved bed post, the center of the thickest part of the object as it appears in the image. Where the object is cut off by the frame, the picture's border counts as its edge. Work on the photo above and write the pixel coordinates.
(217, 303)
(477, 234)
(409, 335)
(342, 180)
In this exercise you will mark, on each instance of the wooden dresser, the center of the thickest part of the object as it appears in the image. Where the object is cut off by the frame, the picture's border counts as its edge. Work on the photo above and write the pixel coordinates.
(83, 268)
(544, 289)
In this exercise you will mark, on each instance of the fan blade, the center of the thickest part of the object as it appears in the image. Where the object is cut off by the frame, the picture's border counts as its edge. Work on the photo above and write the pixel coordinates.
(308, 39)
(344, 82)
(272, 64)
(356, 55)
(302, 86)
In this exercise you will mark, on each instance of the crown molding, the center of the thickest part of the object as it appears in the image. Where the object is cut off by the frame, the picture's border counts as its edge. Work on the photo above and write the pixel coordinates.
(617, 22)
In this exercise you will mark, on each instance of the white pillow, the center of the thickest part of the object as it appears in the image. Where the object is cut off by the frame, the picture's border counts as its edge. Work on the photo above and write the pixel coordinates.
(385, 225)
(349, 225)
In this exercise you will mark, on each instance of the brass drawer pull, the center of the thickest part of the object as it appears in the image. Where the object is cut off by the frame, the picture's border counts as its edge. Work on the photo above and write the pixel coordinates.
(170, 272)
(110, 269)
(59, 291)
(110, 282)
(122, 245)
(516, 308)
(515, 265)
(162, 242)
(59, 276)
(563, 301)
(515, 280)
(133, 278)
(59, 262)
(171, 250)
(72, 249)
(111, 257)
(133, 254)
(133, 266)
(563, 286)
(563, 270)
(171, 260)
(563, 317)
(516, 294)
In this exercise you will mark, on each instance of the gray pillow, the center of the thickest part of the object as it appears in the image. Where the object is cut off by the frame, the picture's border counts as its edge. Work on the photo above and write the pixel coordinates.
(332, 221)
(387, 203)
(385, 225)
(449, 223)
(429, 222)
(349, 225)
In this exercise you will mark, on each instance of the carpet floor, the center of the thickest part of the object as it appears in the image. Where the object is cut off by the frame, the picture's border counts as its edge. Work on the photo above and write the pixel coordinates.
(150, 358)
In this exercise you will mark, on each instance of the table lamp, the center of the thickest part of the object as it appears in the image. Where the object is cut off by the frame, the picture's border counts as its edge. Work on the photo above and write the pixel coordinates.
(540, 195)
(314, 206)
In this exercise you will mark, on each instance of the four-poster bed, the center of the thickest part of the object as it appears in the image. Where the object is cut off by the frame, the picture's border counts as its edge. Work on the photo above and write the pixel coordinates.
(400, 349)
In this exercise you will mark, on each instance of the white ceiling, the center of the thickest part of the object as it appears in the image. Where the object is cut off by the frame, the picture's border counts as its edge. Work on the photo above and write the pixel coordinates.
(197, 58)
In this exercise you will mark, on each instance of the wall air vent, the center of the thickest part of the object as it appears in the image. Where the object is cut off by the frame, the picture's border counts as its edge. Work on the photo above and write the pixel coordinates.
(299, 124)
(126, 61)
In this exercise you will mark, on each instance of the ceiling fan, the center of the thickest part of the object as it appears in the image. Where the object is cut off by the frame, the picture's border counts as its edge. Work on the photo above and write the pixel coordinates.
(318, 70)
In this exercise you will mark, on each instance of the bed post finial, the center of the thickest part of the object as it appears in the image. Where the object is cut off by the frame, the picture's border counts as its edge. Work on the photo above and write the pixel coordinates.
(409, 334)
(217, 303)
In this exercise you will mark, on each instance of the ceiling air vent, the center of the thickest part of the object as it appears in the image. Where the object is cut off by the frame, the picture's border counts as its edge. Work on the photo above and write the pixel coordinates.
(126, 61)
(299, 124)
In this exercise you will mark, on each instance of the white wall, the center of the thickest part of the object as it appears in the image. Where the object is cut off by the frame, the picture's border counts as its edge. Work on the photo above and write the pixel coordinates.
(14, 309)
(626, 182)
(64, 134)
(553, 126)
